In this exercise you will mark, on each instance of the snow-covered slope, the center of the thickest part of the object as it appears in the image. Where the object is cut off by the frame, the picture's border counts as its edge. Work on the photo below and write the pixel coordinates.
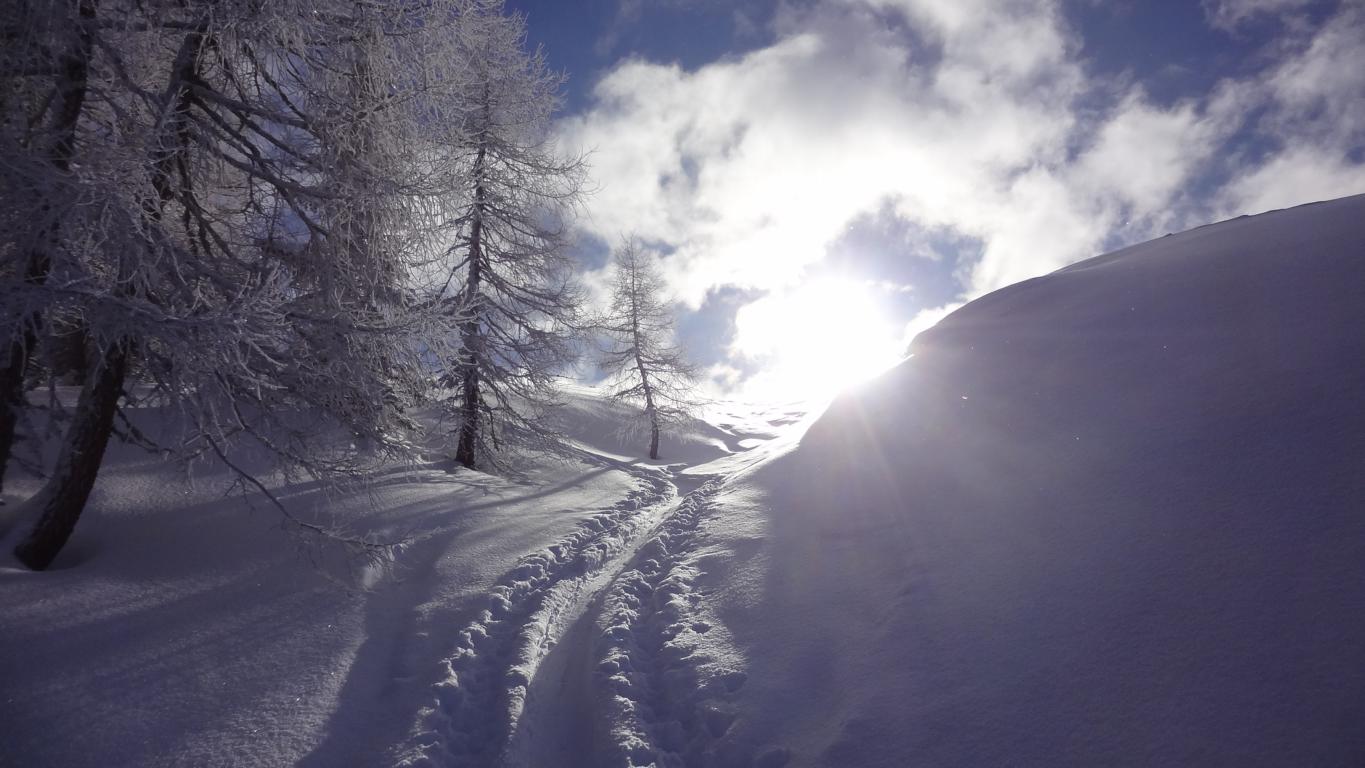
(618, 430)
(183, 627)
(1110, 516)
(180, 627)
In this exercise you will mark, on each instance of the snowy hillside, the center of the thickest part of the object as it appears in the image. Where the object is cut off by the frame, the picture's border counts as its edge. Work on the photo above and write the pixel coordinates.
(1110, 516)
(182, 626)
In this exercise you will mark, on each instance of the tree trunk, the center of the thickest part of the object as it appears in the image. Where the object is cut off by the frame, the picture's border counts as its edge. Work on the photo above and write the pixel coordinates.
(466, 452)
(638, 339)
(71, 88)
(66, 491)
(64, 495)
(12, 395)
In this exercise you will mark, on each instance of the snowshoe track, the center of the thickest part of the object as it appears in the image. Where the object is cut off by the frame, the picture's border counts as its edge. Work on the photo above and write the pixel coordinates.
(479, 702)
(665, 697)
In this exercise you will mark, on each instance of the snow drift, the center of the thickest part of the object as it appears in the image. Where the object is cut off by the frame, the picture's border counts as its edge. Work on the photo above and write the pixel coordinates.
(1110, 516)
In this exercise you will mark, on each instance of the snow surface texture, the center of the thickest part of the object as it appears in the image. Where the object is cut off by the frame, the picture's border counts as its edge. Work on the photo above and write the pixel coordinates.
(180, 627)
(484, 693)
(1110, 516)
(617, 431)
(664, 697)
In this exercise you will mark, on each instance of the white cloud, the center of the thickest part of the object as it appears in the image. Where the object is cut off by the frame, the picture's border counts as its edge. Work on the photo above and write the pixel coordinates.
(1022, 42)
(751, 167)
(924, 320)
(1047, 226)
(1296, 175)
(969, 116)
(1143, 155)
(1314, 103)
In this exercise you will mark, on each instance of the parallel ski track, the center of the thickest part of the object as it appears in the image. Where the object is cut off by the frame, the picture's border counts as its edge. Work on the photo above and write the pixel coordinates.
(665, 698)
(477, 705)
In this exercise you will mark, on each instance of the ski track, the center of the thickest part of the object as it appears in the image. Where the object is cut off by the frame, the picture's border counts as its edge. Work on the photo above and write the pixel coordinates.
(477, 705)
(664, 698)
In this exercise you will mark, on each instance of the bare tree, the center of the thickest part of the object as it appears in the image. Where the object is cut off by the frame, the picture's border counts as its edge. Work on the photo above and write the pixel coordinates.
(520, 302)
(642, 363)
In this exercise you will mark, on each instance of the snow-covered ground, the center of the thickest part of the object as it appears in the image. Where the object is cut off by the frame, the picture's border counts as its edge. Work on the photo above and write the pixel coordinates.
(1111, 516)
(182, 626)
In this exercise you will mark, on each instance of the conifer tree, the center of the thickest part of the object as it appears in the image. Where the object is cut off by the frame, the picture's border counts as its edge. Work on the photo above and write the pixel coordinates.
(520, 305)
(245, 208)
(643, 364)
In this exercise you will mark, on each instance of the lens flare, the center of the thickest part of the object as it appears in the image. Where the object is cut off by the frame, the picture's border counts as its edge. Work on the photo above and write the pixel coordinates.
(817, 338)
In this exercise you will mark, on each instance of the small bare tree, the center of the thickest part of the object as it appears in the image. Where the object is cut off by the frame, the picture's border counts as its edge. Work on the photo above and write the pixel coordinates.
(641, 361)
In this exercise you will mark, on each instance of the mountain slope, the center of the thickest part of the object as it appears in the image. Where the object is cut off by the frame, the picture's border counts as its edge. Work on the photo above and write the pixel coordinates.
(1110, 516)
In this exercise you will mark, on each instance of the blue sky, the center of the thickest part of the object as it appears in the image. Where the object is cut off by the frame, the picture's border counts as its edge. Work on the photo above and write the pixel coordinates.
(886, 160)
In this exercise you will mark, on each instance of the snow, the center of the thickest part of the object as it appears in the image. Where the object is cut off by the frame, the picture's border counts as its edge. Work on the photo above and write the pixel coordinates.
(1110, 516)
(181, 628)
(612, 430)
(485, 690)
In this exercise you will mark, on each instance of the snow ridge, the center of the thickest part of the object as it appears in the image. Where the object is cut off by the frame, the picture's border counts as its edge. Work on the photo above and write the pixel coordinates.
(663, 695)
(479, 702)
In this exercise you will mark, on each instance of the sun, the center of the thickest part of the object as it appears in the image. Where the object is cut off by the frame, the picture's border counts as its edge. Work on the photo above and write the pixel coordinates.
(817, 338)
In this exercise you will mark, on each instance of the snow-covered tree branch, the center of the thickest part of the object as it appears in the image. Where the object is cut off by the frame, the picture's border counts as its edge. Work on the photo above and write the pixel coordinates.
(249, 210)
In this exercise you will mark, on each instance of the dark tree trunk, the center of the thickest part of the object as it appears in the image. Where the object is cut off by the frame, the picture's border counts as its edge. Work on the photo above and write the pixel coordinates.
(66, 491)
(69, 356)
(64, 495)
(650, 410)
(12, 396)
(466, 451)
(71, 89)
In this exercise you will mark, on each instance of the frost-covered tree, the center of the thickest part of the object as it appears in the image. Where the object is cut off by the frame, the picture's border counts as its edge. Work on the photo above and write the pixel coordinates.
(102, 257)
(44, 73)
(643, 364)
(247, 220)
(521, 306)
